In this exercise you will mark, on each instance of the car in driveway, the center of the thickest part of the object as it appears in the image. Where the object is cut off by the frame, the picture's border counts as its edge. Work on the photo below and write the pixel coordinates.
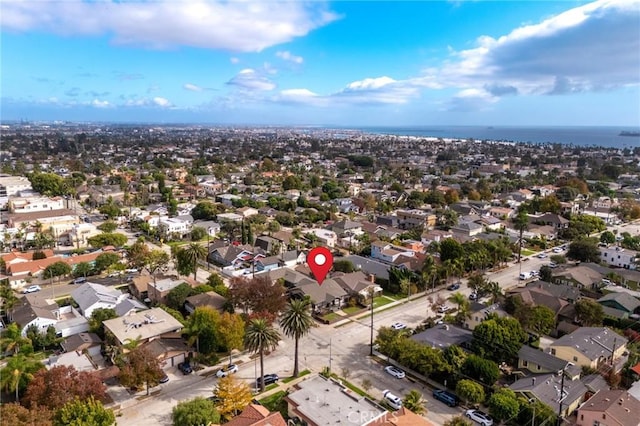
(226, 370)
(444, 308)
(479, 417)
(447, 397)
(164, 379)
(32, 289)
(392, 400)
(398, 326)
(185, 368)
(268, 379)
(395, 372)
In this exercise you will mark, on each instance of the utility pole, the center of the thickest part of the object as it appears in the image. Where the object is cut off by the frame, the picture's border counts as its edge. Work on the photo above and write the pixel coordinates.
(330, 357)
(371, 340)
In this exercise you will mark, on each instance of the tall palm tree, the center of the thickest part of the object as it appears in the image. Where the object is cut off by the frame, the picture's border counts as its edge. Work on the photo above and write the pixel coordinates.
(18, 372)
(296, 321)
(259, 337)
(463, 305)
(12, 339)
(195, 252)
(521, 222)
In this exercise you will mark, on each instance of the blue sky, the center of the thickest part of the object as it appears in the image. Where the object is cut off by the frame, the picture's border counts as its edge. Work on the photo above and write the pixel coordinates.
(358, 63)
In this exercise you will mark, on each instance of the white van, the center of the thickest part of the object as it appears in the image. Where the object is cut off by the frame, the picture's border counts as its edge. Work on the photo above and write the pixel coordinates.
(525, 275)
(393, 401)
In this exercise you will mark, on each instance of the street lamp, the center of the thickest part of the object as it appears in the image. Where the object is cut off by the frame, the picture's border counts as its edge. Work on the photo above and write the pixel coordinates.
(561, 397)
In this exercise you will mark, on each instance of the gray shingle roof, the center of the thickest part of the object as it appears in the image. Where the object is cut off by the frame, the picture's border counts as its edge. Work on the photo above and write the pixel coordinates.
(546, 388)
(544, 360)
(593, 342)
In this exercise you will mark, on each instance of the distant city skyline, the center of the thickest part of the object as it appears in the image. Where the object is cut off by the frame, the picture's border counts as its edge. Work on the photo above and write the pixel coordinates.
(346, 63)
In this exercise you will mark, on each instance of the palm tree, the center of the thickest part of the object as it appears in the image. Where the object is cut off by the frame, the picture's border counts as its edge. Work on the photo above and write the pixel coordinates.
(521, 222)
(17, 373)
(296, 321)
(194, 252)
(495, 290)
(12, 339)
(463, 305)
(259, 337)
(413, 401)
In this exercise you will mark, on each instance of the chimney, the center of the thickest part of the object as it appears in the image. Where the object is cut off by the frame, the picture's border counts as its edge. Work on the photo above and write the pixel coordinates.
(533, 381)
(372, 278)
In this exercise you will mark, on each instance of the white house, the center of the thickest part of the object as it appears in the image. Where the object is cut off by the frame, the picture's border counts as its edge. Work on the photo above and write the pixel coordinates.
(617, 256)
(81, 232)
(35, 204)
(389, 252)
(325, 237)
(90, 296)
(173, 225)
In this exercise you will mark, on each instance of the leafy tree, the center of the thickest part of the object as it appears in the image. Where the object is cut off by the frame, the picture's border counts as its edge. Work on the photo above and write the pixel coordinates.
(454, 355)
(16, 415)
(177, 296)
(528, 410)
(584, 250)
(233, 396)
(481, 369)
(260, 337)
(546, 273)
(503, 404)
(202, 329)
(463, 306)
(198, 233)
(258, 294)
(57, 269)
(154, 260)
(542, 320)
(8, 298)
(140, 367)
(137, 254)
(40, 339)
(470, 391)
(345, 266)
(450, 249)
(98, 317)
(107, 239)
(82, 269)
(174, 313)
(204, 210)
(61, 384)
(196, 412)
(607, 237)
(187, 258)
(414, 402)
(230, 329)
(296, 322)
(49, 184)
(111, 210)
(17, 373)
(499, 338)
(88, 412)
(521, 222)
(589, 312)
(105, 260)
(13, 341)
(214, 280)
(458, 421)
(108, 226)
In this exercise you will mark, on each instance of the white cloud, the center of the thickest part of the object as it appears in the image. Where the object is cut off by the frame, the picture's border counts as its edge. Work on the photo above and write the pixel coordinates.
(161, 102)
(288, 56)
(243, 26)
(250, 80)
(192, 87)
(234, 60)
(100, 104)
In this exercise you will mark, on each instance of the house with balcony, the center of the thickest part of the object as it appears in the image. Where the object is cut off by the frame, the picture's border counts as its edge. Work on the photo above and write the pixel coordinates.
(592, 347)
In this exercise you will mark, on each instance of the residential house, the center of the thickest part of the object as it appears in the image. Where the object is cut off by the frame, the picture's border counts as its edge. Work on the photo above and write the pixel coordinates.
(36, 204)
(268, 244)
(246, 212)
(157, 291)
(562, 396)
(388, 252)
(24, 314)
(228, 199)
(445, 335)
(402, 417)
(212, 228)
(370, 267)
(467, 229)
(539, 362)
(81, 342)
(143, 326)
(592, 347)
(139, 286)
(230, 255)
(618, 256)
(501, 213)
(415, 218)
(292, 258)
(479, 312)
(619, 305)
(210, 299)
(611, 408)
(435, 235)
(585, 275)
(329, 296)
(538, 295)
(257, 415)
(58, 221)
(358, 285)
(319, 401)
(91, 296)
(392, 221)
(173, 226)
(267, 263)
(551, 219)
(80, 233)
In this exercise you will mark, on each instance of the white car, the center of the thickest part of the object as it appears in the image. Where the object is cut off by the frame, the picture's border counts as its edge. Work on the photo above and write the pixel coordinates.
(226, 370)
(393, 401)
(32, 289)
(479, 417)
(444, 308)
(558, 250)
(541, 255)
(395, 372)
(398, 326)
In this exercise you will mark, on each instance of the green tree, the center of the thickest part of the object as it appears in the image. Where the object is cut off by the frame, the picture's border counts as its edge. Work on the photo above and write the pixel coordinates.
(105, 260)
(189, 257)
(82, 269)
(49, 184)
(154, 260)
(12, 340)
(470, 392)
(89, 412)
(450, 249)
(607, 237)
(137, 254)
(195, 412)
(500, 338)
(201, 329)
(296, 322)
(414, 402)
(57, 269)
(589, 312)
(17, 373)
(198, 233)
(230, 329)
(481, 369)
(584, 250)
(521, 223)
(108, 226)
(177, 296)
(107, 239)
(205, 210)
(503, 404)
(345, 266)
(463, 306)
(542, 320)
(260, 337)
(98, 317)
(458, 421)
(454, 355)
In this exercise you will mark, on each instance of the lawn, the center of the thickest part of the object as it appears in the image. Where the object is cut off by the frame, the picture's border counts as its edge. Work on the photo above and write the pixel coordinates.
(276, 402)
(393, 296)
(352, 310)
(351, 386)
(302, 373)
(527, 252)
(331, 317)
(382, 300)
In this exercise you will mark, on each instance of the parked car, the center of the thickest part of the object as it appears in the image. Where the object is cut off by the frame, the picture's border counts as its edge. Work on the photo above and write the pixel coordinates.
(473, 296)
(558, 250)
(115, 274)
(31, 289)
(542, 255)
(453, 286)
(79, 280)
(447, 397)
(164, 379)
(395, 372)
(444, 308)
(226, 370)
(268, 379)
(391, 399)
(479, 417)
(398, 326)
(185, 367)
(553, 265)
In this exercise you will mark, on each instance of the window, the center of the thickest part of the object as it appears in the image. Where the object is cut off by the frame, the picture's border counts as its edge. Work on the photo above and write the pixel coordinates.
(575, 359)
(525, 363)
(596, 423)
(553, 351)
(604, 416)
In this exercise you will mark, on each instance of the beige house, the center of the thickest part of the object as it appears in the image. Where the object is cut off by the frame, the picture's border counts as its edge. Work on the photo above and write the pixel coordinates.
(610, 408)
(590, 347)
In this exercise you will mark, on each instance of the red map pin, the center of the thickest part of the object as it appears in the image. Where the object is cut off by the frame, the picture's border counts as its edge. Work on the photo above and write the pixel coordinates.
(320, 262)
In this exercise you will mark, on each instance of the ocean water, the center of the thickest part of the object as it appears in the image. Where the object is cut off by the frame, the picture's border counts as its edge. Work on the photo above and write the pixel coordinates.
(581, 136)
